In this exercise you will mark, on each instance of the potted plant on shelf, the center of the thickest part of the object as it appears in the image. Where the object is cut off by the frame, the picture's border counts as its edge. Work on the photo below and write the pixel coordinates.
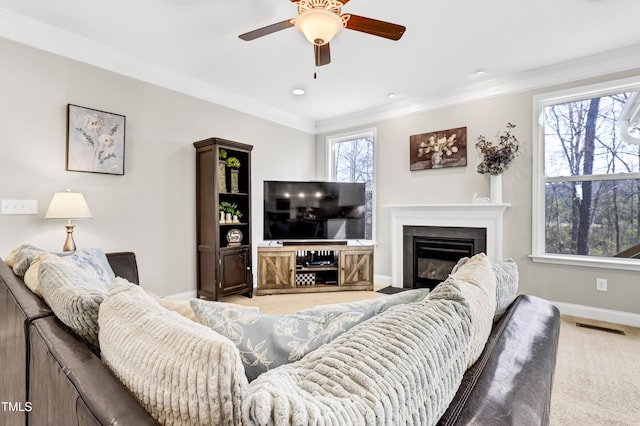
(222, 167)
(234, 164)
(227, 210)
(237, 214)
(496, 159)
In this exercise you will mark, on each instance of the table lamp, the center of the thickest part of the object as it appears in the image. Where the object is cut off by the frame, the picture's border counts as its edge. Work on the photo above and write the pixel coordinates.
(68, 205)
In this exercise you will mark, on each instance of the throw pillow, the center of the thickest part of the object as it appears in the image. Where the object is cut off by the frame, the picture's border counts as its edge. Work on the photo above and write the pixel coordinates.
(380, 304)
(93, 261)
(74, 295)
(180, 371)
(461, 262)
(23, 257)
(506, 285)
(507, 278)
(268, 341)
(31, 276)
(183, 307)
(402, 367)
(10, 260)
(477, 282)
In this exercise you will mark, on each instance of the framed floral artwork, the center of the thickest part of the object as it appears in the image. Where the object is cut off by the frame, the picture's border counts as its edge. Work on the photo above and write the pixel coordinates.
(95, 141)
(435, 150)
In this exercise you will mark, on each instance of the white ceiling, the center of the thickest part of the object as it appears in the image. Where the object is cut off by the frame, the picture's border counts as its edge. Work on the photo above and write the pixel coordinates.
(192, 46)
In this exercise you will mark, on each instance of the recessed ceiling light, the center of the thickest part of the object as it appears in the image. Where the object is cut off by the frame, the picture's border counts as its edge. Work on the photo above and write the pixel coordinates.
(480, 71)
(298, 92)
(392, 95)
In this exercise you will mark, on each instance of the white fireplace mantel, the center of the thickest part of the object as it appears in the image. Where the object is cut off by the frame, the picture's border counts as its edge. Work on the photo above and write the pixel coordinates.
(488, 216)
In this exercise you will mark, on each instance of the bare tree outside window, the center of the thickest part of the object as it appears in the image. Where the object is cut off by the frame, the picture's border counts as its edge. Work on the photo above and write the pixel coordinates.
(592, 179)
(353, 161)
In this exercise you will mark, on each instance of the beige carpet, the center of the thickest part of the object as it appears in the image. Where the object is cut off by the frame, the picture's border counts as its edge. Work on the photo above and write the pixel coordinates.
(292, 303)
(597, 378)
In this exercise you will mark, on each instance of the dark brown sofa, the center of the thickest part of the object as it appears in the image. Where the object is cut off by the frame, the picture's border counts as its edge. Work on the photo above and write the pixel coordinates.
(511, 382)
(48, 375)
(65, 383)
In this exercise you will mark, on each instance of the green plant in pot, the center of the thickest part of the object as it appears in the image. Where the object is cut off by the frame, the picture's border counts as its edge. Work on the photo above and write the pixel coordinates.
(227, 210)
(237, 214)
(233, 163)
(222, 154)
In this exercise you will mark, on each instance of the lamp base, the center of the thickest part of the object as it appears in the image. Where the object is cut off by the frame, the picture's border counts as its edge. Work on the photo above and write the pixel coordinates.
(69, 244)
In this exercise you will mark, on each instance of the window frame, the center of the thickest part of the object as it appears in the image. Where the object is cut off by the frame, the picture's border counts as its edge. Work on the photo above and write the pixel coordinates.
(541, 101)
(331, 141)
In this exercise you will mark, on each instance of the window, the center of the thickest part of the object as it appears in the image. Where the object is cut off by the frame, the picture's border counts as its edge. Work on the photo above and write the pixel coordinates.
(586, 185)
(351, 159)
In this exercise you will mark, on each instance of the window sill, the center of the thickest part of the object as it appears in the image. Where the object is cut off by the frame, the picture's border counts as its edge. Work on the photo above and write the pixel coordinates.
(589, 261)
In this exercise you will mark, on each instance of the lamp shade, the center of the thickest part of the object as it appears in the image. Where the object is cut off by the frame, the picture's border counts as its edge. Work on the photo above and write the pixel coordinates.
(318, 25)
(68, 205)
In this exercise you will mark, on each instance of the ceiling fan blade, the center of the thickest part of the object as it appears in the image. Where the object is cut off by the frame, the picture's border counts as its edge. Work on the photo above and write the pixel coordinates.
(252, 35)
(322, 54)
(375, 27)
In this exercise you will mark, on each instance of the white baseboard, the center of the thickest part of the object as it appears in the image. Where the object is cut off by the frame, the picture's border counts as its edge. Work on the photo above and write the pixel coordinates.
(384, 280)
(599, 314)
(182, 296)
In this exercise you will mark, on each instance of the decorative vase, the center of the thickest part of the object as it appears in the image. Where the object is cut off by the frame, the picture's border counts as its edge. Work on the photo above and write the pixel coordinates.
(495, 182)
(234, 181)
(235, 219)
(437, 160)
(222, 176)
(221, 217)
(227, 218)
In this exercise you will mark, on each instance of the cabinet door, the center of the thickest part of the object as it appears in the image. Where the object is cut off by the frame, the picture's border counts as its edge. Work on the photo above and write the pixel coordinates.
(276, 270)
(356, 267)
(235, 272)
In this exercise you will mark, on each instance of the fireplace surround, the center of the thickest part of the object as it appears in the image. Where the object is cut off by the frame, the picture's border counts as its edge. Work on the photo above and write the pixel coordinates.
(431, 252)
(486, 216)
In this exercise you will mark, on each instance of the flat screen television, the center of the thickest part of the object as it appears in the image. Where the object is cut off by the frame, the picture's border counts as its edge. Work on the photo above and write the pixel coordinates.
(314, 210)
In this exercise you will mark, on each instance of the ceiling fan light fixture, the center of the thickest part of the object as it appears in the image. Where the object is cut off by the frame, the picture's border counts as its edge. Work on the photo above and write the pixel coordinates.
(319, 26)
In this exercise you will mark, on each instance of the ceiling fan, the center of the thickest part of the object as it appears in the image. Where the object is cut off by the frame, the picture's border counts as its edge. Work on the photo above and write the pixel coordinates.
(320, 21)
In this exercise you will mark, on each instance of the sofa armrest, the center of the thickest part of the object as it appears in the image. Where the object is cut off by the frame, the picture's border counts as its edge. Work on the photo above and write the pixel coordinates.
(18, 308)
(511, 382)
(124, 265)
(70, 385)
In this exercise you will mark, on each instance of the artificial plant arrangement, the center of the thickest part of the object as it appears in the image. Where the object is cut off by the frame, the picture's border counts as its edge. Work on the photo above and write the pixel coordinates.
(496, 158)
(228, 207)
(233, 162)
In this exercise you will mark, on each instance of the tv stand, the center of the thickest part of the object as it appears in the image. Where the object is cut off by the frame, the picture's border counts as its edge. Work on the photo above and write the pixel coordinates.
(318, 267)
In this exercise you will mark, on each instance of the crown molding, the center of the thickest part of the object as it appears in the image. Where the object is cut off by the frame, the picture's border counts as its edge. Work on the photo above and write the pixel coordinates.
(54, 40)
(618, 60)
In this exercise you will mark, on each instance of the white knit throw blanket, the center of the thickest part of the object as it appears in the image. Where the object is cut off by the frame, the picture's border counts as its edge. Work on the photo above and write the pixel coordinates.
(181, 372)
(401, 367)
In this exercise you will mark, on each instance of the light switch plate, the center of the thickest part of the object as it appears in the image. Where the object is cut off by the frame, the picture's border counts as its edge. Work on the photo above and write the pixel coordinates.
(18, 206)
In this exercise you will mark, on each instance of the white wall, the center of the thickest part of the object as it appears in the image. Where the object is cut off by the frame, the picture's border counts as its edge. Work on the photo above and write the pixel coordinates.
(396, 184)
(149, 210)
